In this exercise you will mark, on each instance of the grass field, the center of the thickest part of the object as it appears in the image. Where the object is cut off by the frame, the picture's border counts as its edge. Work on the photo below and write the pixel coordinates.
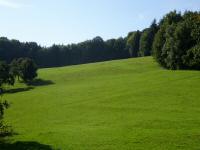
(130, 104)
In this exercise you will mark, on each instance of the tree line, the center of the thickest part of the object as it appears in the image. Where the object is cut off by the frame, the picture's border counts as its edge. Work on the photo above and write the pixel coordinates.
(173, 41)
(94, 50)
(60, 55)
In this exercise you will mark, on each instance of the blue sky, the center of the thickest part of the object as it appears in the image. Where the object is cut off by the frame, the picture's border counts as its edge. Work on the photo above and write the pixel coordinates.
(71, 21)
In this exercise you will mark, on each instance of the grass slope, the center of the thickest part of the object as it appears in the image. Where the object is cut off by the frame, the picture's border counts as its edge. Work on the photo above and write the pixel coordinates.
(115, 105)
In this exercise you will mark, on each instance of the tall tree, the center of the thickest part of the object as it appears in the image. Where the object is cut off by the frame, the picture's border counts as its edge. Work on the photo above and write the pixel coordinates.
(133, 43)
(147, 38)
(145, 45)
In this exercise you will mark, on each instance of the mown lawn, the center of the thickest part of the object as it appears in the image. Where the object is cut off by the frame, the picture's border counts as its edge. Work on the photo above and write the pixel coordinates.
(130, 104)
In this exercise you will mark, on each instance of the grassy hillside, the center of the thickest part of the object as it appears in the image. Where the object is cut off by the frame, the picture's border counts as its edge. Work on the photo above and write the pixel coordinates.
(117, 105)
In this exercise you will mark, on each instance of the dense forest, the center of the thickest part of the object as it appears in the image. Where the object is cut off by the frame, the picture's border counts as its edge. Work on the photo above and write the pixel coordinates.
(60, 55)
(94, 50)
(173, 41)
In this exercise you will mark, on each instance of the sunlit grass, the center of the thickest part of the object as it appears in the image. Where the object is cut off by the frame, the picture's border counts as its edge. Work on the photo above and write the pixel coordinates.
(116, 105)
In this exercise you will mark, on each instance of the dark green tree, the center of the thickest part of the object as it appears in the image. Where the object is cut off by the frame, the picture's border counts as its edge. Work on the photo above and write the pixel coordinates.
(176, 44)
(5, 76)
(28, 69)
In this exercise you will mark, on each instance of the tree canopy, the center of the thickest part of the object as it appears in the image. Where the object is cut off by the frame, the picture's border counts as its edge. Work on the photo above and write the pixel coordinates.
(176, 45)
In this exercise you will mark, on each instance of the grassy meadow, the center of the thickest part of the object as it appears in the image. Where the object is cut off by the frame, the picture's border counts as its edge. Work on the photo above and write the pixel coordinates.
(130, 104)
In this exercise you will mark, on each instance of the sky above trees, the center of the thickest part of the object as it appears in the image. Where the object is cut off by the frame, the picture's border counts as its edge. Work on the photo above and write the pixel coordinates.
(71, 21)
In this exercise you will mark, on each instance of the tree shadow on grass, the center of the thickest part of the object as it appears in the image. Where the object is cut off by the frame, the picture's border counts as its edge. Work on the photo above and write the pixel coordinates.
(5, 144)
(40, 82)
(11, 91)
(31, 85)
(30, 145)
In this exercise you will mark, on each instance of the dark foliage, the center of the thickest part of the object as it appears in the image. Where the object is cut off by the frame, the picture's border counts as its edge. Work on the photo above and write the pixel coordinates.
(147, 38)
(176, 44)
(59, 55)
(24, 68)
(28, 69)
(5, 75)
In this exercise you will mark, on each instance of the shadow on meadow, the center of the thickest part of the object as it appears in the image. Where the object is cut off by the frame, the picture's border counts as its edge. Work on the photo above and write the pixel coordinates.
(17, 90)
(31, 85)
(20, 145)
(40, 82)
(30, 145)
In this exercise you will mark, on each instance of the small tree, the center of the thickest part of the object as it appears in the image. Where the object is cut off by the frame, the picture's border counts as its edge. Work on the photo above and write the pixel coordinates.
(27, 69)
(133, 43)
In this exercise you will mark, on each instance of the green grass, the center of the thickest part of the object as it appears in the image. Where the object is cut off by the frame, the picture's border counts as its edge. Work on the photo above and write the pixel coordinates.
(128, 104)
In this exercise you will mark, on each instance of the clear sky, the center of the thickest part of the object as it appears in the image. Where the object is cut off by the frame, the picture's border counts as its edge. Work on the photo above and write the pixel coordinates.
(72, 21)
